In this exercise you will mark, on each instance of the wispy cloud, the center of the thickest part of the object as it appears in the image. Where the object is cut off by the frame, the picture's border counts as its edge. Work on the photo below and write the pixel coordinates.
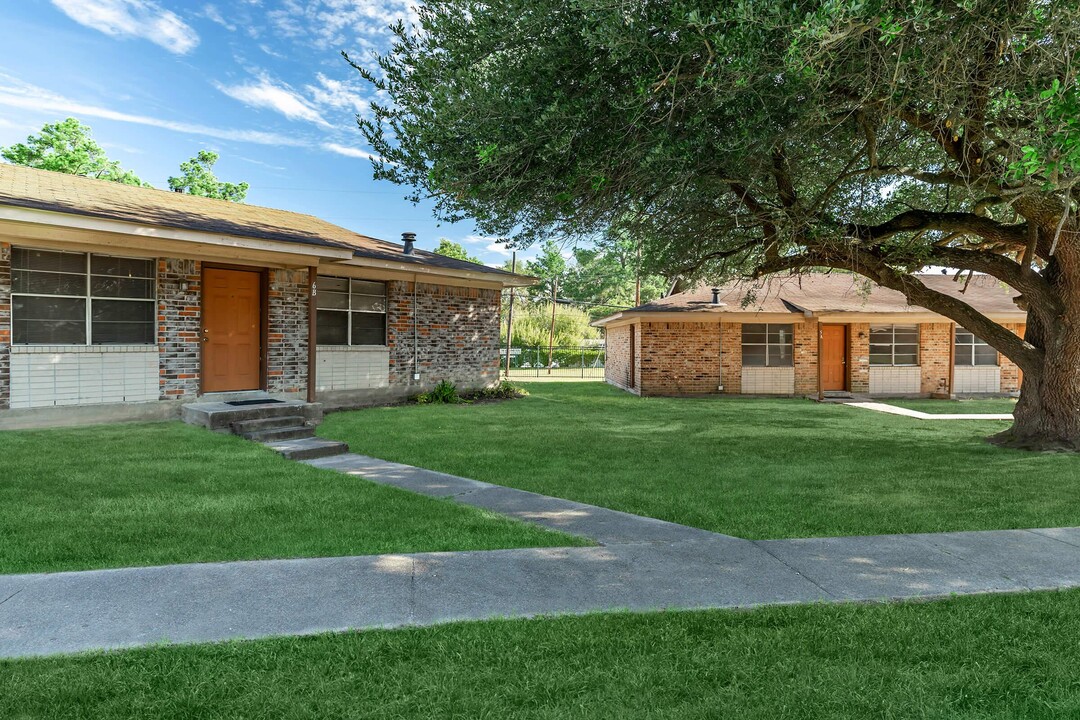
(336, 94)
(337, 24)
(211, 13)
(15, 93)
(134, 18)
(478, 239)
(349, 151)
(272, 95)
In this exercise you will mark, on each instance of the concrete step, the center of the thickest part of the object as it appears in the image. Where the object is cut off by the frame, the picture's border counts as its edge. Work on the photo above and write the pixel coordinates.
(241, 427)
(310, 448)
(220, 416)
(293, 432)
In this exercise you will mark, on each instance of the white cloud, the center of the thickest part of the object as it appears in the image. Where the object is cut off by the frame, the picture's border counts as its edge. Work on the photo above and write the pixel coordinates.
(340, 24)
(336, 94)
(266, 93)
(135, 18)
(499, 248)
(349, 151)
(478, 239)
(211, 13)
(14, 93)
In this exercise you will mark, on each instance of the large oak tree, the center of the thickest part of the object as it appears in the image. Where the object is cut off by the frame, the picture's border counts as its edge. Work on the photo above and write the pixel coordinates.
(742, 137)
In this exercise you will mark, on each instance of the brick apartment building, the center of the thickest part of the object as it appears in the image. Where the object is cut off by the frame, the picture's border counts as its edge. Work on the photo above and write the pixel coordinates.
(121, 302)
(810, 335)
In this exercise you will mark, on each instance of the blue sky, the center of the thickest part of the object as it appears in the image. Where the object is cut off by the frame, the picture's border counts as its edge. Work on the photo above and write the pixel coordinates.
(261, 82)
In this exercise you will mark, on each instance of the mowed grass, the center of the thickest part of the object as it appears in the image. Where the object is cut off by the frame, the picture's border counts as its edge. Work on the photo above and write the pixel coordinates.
(968, 406)
(976, 657)
(120, 495)
(753, 468)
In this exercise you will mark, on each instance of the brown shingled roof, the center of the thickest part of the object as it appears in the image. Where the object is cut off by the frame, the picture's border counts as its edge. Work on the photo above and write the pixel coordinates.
(821, 293)
(76, 195)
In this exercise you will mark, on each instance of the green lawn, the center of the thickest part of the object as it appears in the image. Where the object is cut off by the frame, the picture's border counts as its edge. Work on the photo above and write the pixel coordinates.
(970, 406)
(976, 657)
(121, 495)
(751, 468)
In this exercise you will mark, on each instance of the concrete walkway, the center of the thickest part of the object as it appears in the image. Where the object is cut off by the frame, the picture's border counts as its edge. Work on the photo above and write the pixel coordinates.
(642, 564)
(919, 415)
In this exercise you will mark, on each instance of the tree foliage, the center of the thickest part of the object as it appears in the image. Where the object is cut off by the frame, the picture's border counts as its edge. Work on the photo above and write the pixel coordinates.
(67, 147)
(197, 178)
(532, 325)
(743, 138)
(449, 248)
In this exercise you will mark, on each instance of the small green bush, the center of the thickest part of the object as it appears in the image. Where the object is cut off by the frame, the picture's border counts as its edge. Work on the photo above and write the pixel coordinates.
(445, 392)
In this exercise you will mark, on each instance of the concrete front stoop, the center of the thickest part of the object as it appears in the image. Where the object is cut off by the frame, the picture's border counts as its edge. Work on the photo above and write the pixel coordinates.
(286, 426)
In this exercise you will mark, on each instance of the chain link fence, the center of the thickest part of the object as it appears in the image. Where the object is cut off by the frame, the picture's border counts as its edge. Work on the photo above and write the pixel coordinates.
(585, 361)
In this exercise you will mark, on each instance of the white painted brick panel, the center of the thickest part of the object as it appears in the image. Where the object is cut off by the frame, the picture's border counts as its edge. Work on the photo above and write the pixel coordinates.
(888, 380)
(977, 380)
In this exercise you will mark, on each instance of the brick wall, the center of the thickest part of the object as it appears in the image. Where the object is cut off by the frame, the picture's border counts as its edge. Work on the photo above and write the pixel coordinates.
(935, 352)
(457, 332)
(1011, 376)
(179, 326)
(617, 361)
(806, 357)
(680, 358)
(5, 326)
(859, 358)
(731, 363)
(287, 332)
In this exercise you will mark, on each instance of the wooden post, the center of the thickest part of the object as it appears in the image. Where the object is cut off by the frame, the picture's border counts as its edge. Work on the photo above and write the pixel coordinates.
(551, 335)
(313, 274)
(510, 317)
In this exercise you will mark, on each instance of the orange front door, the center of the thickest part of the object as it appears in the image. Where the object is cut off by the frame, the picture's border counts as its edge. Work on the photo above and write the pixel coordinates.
(231, 341)
(833, 357)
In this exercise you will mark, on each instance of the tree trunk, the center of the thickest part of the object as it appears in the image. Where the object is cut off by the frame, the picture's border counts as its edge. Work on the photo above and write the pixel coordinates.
(1047, 416)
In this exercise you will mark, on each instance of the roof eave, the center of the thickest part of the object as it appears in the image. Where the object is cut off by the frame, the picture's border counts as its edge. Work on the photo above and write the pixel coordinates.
(418, 267)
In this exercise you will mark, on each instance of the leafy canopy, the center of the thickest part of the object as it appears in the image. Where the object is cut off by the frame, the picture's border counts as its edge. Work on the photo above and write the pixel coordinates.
(68, 147)
(738, 138)
(449, 248)
(197, 178)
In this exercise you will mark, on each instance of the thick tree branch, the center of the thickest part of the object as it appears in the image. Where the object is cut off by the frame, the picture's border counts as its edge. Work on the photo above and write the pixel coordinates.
(1027, 357)
(953, 222)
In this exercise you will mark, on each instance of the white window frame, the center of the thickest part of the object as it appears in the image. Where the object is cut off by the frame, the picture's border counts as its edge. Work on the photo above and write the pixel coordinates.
(349, 312)
(976, 341)
(892, 346)
(767, 345)
(87, 296)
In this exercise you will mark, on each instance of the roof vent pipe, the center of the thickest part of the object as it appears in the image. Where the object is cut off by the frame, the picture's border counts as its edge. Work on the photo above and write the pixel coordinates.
(408, 238)
(716, 296)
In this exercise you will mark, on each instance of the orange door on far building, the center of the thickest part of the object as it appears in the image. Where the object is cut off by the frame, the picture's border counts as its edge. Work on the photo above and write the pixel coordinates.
(833, 357)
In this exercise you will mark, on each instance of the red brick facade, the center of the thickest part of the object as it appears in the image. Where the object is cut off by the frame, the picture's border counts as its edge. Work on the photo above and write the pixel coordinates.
(457, 334)
(680, 358)
(935, 354)
(617, 365)
(703, 358)
(456, 338)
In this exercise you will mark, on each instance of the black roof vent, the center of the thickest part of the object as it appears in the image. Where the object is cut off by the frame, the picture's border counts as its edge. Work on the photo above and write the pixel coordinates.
(716, 296)
(408, 238)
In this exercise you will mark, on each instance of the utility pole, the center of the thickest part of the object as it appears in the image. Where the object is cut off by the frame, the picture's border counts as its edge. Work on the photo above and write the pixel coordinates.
(510, 317)
(551, 335)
